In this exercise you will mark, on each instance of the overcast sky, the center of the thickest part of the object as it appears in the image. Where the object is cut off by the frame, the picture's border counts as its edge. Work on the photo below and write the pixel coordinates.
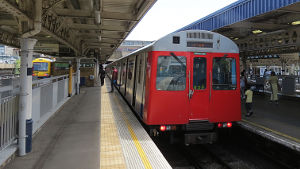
(167, 16)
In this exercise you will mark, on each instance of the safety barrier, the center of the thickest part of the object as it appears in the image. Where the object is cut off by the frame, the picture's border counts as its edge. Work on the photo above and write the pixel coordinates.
(8, 120)
(289, 84)
(48, 95)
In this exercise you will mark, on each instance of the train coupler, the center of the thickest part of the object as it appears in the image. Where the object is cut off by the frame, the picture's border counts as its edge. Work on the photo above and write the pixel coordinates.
(200, 138)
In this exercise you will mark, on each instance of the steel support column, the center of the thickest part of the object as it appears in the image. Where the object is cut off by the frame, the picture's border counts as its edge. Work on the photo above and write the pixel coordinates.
(25, 112)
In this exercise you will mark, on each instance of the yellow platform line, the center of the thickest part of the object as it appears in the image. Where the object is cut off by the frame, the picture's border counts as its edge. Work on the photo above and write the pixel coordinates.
(273, 131)
(137, 144)
(111, 154)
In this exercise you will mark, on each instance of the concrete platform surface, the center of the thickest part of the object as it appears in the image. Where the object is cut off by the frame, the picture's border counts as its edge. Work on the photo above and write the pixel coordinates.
(70, 139)
(277, 122)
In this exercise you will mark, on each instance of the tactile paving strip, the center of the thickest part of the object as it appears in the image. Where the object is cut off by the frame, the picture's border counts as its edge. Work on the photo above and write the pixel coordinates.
(111, 154)
(136, 147)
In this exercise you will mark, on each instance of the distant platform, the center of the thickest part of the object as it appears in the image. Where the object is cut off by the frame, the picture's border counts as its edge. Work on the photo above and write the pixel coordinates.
(279, 123)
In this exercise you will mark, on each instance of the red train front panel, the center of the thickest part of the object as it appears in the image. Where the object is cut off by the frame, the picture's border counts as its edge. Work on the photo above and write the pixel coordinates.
(191, 86)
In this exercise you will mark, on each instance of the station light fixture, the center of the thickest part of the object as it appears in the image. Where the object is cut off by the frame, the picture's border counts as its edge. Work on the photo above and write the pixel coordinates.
(296, 23)
(257, 31)
(236, 39)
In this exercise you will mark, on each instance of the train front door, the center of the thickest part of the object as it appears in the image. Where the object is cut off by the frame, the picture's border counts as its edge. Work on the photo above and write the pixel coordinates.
(198, 87)
(224, 94)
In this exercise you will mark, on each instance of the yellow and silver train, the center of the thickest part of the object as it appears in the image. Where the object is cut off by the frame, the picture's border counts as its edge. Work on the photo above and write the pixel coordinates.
(44, 67)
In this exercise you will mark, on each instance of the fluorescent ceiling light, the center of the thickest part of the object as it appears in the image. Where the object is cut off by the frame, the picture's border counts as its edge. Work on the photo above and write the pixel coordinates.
(257, 31)
(296, 23)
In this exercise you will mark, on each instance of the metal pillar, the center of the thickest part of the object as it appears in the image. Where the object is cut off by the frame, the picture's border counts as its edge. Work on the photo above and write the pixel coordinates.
(97, 77)
(25, 90)
(78, 76)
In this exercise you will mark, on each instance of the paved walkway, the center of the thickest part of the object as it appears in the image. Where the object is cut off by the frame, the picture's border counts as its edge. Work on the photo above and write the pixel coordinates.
(283, 118)
(69, 140)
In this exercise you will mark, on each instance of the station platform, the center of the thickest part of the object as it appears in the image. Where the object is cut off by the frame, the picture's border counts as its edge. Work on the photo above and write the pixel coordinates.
(279, 123)
(93, 130)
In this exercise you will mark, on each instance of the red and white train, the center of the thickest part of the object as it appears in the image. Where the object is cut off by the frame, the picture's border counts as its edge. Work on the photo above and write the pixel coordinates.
(186, 82)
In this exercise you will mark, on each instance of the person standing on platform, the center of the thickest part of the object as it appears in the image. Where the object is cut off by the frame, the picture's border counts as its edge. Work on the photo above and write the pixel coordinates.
(273, 81)
(102, 75)
(243, 84)
(114, 78)
(249, 95)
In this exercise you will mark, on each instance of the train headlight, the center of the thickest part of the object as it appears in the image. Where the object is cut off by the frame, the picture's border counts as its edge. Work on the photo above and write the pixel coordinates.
(229, 124)
(224, 125)
(163, 128)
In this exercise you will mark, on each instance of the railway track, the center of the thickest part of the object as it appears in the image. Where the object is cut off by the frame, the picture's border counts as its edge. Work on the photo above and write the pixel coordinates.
(235, 152)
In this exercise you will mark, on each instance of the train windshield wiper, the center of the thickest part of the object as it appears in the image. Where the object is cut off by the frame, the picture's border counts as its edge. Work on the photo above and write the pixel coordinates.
(178, 60)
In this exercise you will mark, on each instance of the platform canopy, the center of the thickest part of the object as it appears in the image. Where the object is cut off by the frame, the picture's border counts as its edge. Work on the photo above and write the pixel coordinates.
(89, 28)
(259, 27)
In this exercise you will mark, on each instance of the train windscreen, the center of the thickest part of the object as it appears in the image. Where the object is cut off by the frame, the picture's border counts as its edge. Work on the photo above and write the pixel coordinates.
(224, 73)
(40, 66)
(171, 73)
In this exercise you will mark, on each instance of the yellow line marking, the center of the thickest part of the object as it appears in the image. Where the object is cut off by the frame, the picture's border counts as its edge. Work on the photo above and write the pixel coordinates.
(137, 144)
(273, 131)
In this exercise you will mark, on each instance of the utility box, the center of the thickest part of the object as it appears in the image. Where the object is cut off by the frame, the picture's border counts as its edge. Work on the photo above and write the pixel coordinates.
(288, 85)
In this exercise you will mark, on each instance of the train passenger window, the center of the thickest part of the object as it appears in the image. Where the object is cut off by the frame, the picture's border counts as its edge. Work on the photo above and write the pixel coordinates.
(224, 73)
(171, 73)
(199, 73)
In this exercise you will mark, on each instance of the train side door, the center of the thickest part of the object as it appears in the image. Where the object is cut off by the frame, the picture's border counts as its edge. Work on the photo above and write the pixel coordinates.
(198, 87)
(224, 93)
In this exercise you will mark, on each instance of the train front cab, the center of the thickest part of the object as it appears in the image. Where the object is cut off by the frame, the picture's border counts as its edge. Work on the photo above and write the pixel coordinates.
(193, 92)
(41, 67)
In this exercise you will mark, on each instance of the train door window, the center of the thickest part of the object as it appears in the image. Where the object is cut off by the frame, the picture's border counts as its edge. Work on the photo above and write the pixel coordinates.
(140, 69)
(199, 73)
(130, 69)
(171, 73)
(224, 73)
(124, 72)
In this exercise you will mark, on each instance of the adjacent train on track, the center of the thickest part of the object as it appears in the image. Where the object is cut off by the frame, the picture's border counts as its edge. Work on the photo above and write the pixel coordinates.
(186, 82)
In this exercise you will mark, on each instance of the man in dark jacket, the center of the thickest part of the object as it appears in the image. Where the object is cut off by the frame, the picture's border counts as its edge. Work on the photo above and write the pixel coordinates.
(102, 75)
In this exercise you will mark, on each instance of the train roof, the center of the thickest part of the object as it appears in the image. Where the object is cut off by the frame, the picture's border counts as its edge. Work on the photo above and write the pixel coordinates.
(42, 59)
(196, 41)
(205, 41)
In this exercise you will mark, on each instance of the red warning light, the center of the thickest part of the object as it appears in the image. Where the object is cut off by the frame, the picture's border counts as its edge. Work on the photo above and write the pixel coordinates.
(162, 128)
(229, 124)
(219, 125)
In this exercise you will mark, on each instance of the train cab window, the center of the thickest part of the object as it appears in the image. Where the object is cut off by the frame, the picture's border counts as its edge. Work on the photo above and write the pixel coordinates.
(224, 73)
(40, 66)
(199, 73)
(171, 73)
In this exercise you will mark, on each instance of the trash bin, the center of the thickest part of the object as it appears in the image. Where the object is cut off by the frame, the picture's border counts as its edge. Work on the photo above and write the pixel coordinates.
(29, 135)
(82, 81)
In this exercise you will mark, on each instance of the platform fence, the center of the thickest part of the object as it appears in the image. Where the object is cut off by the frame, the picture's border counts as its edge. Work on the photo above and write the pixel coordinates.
(8, 120)
(48, 95)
